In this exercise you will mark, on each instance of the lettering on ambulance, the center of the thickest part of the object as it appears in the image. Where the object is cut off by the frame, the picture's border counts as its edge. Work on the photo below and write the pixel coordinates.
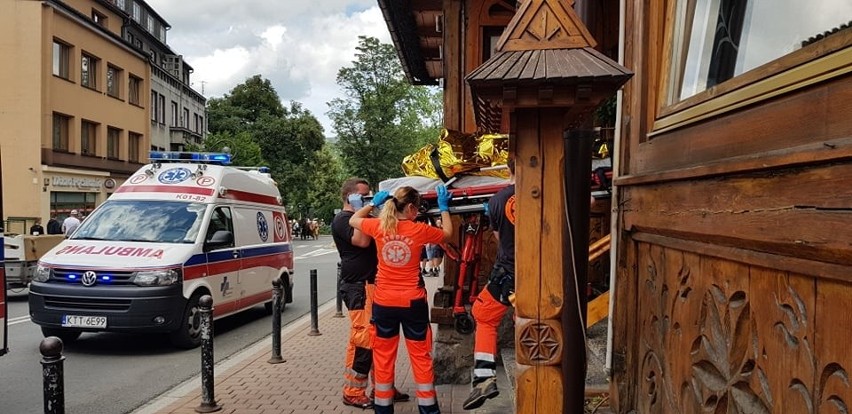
(112, 251)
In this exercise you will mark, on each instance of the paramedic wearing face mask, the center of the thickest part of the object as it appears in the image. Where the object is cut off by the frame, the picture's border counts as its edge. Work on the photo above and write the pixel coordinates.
(400, 295)
(358, 263)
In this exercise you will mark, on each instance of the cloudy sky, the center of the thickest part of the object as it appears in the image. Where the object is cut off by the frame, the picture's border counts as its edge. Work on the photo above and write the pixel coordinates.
(298, 45)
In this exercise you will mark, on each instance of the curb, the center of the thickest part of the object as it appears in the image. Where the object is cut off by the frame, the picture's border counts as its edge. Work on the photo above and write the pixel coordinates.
(184, 389)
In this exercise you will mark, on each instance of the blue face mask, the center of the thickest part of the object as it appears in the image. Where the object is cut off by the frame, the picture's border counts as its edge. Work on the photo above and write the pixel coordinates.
(356, 200)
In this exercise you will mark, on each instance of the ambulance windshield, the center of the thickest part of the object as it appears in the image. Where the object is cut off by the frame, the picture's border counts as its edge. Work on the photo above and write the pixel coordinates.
(143, 221)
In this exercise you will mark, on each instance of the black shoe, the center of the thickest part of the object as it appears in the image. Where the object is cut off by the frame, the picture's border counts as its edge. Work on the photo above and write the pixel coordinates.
(358, 402)
(480, 392)
(399, 396)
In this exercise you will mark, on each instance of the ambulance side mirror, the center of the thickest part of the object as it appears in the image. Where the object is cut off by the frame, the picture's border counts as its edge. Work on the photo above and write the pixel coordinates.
(221, 238)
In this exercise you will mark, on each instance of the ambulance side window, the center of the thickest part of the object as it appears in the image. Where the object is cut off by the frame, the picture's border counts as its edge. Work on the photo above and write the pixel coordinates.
(220, 220)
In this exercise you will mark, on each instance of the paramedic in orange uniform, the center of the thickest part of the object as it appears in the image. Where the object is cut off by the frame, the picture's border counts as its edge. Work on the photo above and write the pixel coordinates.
(358, 277)
(400, 294)
(494, 300)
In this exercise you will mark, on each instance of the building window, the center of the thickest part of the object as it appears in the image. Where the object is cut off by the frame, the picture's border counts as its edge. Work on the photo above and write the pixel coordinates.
(137, 12)
(195, 121)
(133, 86)
(162, 34)
(113, 81)
(113, 140)
(60, 131)
(133, 141)
(120, 4)
(89, 71)
(201, 125)
(161, 106)
(99, 18)
(88, 138)
(153, 106)
(150, 25)
(716, 40)
(61, 55)
(174, 113)
(185, 121)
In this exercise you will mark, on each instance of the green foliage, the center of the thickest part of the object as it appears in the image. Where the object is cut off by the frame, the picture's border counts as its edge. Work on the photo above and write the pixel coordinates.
(382, 118)
(259, 130)
(605, 114)
(245, 152)
(326, 178)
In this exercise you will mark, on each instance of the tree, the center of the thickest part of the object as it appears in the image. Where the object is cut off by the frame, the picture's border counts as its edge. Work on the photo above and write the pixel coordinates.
(245, 152)
(252, 119)
(382, 118)
(326, 178)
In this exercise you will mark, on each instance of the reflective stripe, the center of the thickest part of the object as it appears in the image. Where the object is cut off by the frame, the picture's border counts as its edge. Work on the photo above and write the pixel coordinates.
(383, 401)
(482, 372)
(384, 387)
(425, 387)
(354, 384)
(482, 356)
(426, 401)
(351, 371)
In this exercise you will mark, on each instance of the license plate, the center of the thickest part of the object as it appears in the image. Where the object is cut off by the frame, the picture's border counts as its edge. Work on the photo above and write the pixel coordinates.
(78, 321)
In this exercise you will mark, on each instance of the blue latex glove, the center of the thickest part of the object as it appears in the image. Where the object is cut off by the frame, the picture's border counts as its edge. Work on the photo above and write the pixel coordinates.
(485, 207)
(356, 200)
(444, 197)
(380, 198)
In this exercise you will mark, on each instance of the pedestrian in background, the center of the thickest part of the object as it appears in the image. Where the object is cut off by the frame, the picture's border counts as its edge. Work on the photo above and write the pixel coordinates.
(358, 263)
(53, 226)
(36, 229)
(70, 224)
(435, 254)
(400, 295)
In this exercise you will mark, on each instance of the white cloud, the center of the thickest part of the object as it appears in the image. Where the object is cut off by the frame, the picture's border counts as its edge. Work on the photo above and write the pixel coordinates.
(298, 45)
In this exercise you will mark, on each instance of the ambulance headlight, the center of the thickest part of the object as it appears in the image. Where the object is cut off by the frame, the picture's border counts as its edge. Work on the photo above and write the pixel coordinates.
(42, 274)
(163, 277)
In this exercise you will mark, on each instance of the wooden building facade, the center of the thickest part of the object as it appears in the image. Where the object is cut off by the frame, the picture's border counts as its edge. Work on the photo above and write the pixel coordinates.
(734, 251)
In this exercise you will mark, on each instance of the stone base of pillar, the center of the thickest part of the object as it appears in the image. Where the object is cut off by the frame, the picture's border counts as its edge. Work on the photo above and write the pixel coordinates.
(453, 356)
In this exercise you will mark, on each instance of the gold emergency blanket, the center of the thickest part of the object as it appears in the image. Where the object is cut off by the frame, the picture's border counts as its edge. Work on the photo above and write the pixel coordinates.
(457, 153)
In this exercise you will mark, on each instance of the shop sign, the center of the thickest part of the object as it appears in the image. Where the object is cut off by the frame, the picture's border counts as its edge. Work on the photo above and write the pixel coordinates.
(81, 183)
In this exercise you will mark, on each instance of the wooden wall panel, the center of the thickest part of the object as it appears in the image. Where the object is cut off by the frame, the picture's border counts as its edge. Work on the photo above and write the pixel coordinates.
(725, 337)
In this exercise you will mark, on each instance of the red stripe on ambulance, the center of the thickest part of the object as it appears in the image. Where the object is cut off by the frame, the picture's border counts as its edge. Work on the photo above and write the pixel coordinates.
(250, 197)
(180, 189)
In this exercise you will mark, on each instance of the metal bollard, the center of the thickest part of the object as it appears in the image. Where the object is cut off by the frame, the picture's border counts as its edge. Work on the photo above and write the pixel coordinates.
(314, 312)
(339, 303)
(277, 291)
(52, 371)
(208, 400)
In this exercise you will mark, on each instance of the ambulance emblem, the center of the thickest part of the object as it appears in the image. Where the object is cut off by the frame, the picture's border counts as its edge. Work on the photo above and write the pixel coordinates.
(262, 226)
(174, 175)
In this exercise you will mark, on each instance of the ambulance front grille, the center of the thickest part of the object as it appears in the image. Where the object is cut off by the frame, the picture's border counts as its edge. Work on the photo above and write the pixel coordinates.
(105, 278)
(73, 303)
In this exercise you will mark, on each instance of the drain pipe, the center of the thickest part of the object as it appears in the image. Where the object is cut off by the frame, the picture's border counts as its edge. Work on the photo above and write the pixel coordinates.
(616, 208)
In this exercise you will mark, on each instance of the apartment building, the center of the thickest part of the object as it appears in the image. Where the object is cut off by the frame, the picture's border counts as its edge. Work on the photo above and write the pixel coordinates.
(177, 111)
(90, 86)
(73, 108)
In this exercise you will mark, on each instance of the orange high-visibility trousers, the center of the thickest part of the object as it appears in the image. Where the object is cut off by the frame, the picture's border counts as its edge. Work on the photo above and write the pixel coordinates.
(418, 340)
(487, 312)
(358, 298)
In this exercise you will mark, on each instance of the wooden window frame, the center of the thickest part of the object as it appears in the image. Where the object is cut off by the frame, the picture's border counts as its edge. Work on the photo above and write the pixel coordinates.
(821, 60)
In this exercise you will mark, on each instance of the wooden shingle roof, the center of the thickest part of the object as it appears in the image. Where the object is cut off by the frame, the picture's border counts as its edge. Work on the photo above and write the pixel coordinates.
(548, 66)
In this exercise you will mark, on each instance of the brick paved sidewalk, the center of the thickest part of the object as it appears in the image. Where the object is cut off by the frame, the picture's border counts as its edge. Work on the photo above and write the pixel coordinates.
(311, 380)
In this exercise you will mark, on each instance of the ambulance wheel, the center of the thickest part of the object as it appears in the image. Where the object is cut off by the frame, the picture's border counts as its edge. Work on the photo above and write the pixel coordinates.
(66, 335)
(188, 335)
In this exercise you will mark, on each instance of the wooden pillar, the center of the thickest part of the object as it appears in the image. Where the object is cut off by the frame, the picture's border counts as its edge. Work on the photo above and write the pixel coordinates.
(540, 240)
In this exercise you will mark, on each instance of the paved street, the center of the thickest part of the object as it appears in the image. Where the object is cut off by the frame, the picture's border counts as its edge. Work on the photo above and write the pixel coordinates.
(114, 373)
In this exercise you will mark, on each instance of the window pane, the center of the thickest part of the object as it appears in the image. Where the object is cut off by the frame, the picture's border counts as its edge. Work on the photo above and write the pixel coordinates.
(88, 138)
(57, 59)
(60, 132)
(720, 39)
(113, 136)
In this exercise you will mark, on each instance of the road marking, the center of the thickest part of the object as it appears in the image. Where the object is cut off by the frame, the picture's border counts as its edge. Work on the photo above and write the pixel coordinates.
(19, 319)
(315, 253)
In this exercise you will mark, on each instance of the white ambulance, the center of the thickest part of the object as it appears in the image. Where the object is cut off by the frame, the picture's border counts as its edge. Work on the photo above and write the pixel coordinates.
(180, 228)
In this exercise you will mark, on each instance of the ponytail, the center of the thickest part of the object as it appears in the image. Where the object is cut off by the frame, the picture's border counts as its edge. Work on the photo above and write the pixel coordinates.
(388, 217)
(402, 197)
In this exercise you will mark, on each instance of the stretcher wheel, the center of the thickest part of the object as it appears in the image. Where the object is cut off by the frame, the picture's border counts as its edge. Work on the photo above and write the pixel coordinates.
(464, 324)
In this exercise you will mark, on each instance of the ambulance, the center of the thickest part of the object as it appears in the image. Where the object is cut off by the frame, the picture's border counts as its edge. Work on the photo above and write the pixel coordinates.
(184, 226)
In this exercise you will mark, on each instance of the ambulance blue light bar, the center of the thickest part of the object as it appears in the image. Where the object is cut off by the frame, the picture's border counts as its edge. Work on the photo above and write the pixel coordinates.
(220, 158)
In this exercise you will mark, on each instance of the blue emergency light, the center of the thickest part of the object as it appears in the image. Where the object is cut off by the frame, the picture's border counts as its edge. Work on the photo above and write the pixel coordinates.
(219, 158)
